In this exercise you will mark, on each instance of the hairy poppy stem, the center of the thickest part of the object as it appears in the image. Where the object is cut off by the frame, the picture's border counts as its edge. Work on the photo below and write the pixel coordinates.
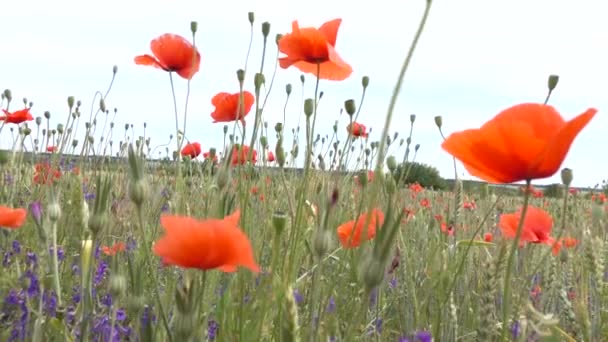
(178, 169)
(147, 248)
(506, 301)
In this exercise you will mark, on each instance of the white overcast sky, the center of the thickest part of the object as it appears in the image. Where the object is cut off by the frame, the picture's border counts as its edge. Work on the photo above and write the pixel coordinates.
(476, 58)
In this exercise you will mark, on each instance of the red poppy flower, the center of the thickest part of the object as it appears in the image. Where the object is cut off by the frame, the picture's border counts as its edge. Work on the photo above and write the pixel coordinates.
(349, 232)
(271, 157)
(537, 226)
(356, 129)
(208, 155)
(17, 117)
(191, 150)
(227, 106)
(12, 218)
(114, 249)
(172, 53)
(51, 149)
(205, 244)
(309, 49)
(524, 142)
(45, 174)
(239, 155)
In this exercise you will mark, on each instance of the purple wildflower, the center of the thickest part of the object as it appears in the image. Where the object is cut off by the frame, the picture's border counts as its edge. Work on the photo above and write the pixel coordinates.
(212, 330)
(33, 288)
(6, 259)
(36, 211)
(331, 305)
(100, 273)
(515, 329)
(31, 259)
(424, 336)
(298, 296)
(16, 247)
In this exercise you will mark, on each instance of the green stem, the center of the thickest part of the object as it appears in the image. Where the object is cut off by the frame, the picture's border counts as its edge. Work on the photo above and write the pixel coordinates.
(140, 217)
(506, 300)
(56, 266)
(178, 169)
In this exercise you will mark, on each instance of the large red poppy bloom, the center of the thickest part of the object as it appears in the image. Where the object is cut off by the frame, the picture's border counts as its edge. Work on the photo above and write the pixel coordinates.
(172, 53)
(525, 142)
(313, 50)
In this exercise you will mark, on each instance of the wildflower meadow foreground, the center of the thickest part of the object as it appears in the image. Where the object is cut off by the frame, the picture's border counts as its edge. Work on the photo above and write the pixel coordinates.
(310, 236)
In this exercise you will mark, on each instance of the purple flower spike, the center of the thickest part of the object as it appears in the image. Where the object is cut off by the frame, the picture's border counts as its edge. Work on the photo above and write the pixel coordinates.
(36, 211)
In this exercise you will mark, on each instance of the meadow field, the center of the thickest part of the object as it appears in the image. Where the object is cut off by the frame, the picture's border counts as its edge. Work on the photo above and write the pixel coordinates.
(104, 238)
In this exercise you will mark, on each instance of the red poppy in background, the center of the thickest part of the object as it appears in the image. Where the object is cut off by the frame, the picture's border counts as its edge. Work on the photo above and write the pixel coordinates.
(45, 174)
(12, 218)
(309, 49)
(17, 117)
(524, 142)
(191, 150)
(51, 149)
(239, 155)
(537, 226)
(227, 106)
(271, 157)
(356, 129)
(205, 244)
(210, 156)
(114, 249)
(349, 232)
(172, 53)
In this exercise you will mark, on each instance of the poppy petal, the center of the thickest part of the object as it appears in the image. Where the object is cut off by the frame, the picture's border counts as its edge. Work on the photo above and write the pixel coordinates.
(148, 60)
(330, 30)
(558, 147)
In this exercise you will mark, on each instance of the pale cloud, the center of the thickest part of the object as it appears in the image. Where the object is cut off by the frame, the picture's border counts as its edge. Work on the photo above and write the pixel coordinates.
(475, 58)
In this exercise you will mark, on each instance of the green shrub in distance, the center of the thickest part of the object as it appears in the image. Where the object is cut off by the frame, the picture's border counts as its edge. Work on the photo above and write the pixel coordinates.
(413, 172)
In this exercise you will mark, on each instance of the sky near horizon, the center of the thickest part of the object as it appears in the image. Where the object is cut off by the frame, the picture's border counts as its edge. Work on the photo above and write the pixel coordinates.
(475, 59)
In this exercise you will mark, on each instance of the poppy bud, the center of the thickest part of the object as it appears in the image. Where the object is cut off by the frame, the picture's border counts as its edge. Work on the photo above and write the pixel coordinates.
(75, 143)
(263, 142)
(193, 27)
(223, 177)
(438, 121)
(251, 17)
(47, 114)
(70, 102)
(137, 191)
(225, 129)
(552, 82)
(38, 120)
(118, 285)
(240, 75)
(280, 155)
(566, 176)
(278, 38)
(27, 131)
(302, 78)
(114, 71)
(60, 128)
(288, 89)
(416, 148)
(309, 107)
(265, 29)
(391, 163)
(97, 223)
(322, 242)
(365, 81)
(278, 127)
(279, 221)
(8, 94)
(373, 272)
(85, 256)
(321, 94)
(258, 80)
(102, 105)
(412, 118)
(54, 211)
(350, 107)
